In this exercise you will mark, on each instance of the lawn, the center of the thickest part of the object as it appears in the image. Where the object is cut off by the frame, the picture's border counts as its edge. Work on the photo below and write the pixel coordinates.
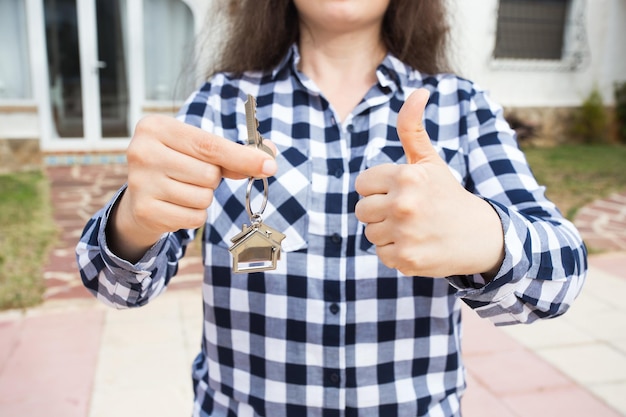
(26, 232)
(578, 174)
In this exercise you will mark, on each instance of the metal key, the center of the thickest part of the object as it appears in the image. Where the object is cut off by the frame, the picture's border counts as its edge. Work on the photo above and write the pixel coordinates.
(254, 137)
(257, 247)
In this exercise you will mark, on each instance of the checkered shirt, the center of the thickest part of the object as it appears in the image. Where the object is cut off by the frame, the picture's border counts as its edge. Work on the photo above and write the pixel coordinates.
(332, 331)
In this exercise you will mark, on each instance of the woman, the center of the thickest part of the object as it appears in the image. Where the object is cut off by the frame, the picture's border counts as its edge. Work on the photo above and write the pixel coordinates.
(388, 171)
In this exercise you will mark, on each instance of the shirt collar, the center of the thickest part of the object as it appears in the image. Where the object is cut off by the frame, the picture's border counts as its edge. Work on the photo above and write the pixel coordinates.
(395, 74)
(391, 73)
(290, 60)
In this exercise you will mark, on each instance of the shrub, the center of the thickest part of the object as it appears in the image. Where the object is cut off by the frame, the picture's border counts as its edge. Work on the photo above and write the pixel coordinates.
(620, 110)
(524, 129)
(590, 120)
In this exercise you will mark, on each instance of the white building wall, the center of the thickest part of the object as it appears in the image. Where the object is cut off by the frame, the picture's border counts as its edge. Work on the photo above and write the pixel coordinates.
(473, 39)
(19, 124)
(615, 48)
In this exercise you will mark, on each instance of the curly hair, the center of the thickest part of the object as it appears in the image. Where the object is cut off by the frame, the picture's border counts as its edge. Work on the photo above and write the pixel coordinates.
(260, 32)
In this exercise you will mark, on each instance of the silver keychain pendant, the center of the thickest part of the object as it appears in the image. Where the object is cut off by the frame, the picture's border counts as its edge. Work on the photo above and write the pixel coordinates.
(257, 247)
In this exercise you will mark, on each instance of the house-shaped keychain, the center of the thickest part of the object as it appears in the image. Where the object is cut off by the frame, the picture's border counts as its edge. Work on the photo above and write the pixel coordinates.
(256, 248)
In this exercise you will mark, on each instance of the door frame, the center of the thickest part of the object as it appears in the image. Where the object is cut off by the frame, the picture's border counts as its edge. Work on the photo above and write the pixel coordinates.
(88, 46)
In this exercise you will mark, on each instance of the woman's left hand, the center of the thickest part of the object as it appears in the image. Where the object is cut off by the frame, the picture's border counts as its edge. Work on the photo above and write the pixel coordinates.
(422, 221)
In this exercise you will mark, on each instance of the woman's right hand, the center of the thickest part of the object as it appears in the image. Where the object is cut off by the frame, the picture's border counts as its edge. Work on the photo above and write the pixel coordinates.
(173, 170)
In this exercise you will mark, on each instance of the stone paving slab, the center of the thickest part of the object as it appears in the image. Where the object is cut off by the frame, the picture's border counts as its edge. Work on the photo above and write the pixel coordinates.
(48, 363)
(532, 370)
(84, 359)
(602, 223)
(588, 343)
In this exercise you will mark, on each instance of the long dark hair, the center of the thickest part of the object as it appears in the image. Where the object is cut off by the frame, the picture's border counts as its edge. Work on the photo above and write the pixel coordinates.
(260, 32)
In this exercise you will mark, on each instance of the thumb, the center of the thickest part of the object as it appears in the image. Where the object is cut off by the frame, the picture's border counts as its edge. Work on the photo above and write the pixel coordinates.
(411, 130)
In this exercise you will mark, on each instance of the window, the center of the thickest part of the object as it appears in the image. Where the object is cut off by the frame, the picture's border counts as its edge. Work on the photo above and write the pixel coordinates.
(168, 37)
(14, 64)
(547, 30)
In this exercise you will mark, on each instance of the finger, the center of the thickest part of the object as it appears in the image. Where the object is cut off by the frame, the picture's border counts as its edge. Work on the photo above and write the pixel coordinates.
(411, 130)
(386, 254)
(375, 180)
(371, 209)
(186, 169)
(149, 186)
(237, 160)
(185, 195)
(378, 234)
(271, 145)
(172, 216)
(228, 173)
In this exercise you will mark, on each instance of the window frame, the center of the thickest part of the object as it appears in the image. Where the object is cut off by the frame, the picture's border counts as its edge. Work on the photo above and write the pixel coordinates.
(575, 50)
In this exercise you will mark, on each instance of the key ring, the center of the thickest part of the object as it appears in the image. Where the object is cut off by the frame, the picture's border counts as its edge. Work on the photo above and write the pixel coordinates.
(255, 217)
(257, 247)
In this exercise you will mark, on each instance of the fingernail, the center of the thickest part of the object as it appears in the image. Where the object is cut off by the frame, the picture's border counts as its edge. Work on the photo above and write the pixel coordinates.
(269, 167)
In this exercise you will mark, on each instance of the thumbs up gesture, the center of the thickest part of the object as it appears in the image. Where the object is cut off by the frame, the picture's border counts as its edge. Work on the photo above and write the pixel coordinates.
(422, 221)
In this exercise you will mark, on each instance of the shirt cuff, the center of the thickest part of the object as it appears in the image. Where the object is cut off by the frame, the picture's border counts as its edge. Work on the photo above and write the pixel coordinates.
(514, 266)
(133, 273)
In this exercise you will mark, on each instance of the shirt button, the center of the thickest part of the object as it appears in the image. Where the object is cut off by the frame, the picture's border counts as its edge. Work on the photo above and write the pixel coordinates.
(334, 308)
(338, 173)
(350, 128)
(334, 378)
(336, 238)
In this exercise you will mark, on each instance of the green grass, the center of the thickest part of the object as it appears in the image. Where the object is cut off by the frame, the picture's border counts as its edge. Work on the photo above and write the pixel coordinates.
(26, 232)
(578, 174)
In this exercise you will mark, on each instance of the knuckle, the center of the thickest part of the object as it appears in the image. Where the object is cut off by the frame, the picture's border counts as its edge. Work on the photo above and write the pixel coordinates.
(135, 155)
(386, 258)
(147, 129)
(196, 219)
(149, 123)
(213, 175)
(412, 175)
(369, 234)
(358, 184)
(401, 208)
(358, 211)
(206, 147)
(406, 174)
(143, 212)
(406, 256)
(134, 181)
(205, 198)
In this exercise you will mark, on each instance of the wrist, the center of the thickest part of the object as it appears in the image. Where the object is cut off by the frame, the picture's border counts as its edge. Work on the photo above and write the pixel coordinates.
(493, 236)
(125, 237)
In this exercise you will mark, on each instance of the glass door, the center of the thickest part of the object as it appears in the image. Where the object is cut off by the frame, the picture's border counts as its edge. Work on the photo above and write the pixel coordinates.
(112, 66)
(88, 71)
(64, 67)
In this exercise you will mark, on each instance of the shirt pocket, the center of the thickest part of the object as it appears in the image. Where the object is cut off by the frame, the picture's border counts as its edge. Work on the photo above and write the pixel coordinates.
(383, 151)
(378, 151)
(286, 209)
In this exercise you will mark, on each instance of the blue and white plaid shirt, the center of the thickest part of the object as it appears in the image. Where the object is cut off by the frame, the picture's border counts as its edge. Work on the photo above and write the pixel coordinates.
(332, 331)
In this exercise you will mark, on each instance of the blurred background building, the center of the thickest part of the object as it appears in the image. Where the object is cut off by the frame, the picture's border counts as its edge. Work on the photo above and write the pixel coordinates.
(76, 75)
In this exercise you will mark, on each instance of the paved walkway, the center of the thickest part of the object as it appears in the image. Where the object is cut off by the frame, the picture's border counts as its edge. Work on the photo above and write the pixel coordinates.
(78, 191)
(603, 223)
(73, 357)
